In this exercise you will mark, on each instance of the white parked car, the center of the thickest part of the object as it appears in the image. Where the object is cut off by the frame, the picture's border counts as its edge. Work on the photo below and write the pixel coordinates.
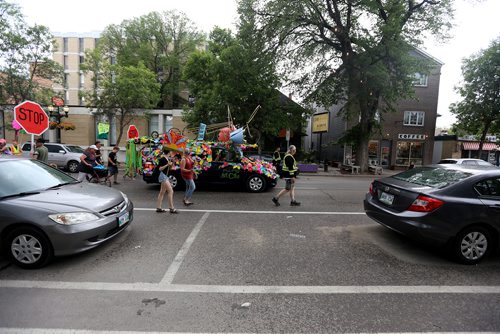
(63, 155)
(466, 161)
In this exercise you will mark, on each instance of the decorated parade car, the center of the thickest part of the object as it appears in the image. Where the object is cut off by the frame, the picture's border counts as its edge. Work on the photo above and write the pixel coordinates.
(215, 163)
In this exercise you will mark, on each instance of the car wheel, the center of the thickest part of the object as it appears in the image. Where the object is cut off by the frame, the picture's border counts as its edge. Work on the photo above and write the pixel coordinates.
(174, 181)
(256, 183)
(472, 245)
(29, 248)
(72, 166)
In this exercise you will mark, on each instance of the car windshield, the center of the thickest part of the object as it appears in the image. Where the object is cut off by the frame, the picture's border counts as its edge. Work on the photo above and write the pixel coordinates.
(27, 176)
(432, 176)
(446, 161)
(74, 148)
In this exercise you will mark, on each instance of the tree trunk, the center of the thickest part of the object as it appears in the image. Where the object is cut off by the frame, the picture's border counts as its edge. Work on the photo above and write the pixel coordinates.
(483, 137)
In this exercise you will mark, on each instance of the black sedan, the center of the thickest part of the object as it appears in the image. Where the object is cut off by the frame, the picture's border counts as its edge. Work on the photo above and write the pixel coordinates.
(452, 205)
(251, 174)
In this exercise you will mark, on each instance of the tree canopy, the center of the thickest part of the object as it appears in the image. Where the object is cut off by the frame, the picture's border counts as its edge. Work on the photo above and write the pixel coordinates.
(162, 42)
(119, 90)
(234, 74)
(478, 112)
(25, 58)
(352, 53)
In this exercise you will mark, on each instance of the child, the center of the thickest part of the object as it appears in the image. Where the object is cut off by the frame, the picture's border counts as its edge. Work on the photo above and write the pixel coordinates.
(113, 164)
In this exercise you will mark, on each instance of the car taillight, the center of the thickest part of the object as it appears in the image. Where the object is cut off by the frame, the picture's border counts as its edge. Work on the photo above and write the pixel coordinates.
(425, 204)
(372, 190)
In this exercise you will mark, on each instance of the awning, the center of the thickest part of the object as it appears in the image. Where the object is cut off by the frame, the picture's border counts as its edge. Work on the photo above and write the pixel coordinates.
(475, 146)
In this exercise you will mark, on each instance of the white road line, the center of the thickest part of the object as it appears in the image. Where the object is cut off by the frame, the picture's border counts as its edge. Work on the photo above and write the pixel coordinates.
(253, 289)
(5, 330)
(297, 188)
(264, 212)
(176, 264)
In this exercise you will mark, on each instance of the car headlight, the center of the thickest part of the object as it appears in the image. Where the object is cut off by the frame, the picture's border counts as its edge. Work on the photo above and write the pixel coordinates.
(72, 218)
(125, 197)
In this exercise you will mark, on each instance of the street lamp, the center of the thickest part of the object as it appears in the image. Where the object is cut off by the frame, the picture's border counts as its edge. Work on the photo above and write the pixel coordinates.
(57, 111)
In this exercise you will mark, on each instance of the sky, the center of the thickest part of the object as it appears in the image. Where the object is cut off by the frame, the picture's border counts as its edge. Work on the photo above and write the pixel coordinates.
(476, 25)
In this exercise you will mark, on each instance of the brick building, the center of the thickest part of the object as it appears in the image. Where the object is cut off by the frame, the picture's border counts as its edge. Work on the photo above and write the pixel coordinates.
(407, 135)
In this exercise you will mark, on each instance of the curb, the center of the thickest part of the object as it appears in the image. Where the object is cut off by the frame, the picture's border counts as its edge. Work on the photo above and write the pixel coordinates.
(338, 174)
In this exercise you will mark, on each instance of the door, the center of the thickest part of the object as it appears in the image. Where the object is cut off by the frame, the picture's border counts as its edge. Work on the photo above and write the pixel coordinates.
(55, 156)
(489, 191)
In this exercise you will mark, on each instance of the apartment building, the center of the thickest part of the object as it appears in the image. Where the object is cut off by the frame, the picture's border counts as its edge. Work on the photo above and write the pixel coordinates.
(70, 53)
(407, 136)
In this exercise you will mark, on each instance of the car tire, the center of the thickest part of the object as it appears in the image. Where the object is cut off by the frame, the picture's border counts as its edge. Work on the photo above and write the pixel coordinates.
(72, 166)
(472, 245)
(29, 248)
(174, 181)
(256, 183)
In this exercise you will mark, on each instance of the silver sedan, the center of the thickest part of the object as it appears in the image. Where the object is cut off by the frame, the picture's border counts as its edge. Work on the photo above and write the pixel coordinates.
(45, 212)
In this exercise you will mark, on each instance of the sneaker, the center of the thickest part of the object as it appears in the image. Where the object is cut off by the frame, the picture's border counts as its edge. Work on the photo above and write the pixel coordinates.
(275, 201)
(294, 203)
(116, 182)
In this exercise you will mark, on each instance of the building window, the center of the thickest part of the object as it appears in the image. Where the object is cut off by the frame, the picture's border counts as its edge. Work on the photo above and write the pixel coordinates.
(96, 42)
(82, 80)
(80, 45)
(409, 153)
(154, 123)
(65, 83)
(65, 62)
(82, 100)
(82, 59)
(112, 60)
(65, 44)
(373, 152)
(420, 80)
(66, 96)
(414, 118)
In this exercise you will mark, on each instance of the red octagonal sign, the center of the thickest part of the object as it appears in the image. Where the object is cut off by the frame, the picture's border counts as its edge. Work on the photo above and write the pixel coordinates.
(31, 117)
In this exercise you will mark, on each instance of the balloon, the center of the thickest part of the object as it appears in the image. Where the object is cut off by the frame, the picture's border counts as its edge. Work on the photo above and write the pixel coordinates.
(16, 125)
(225, 134)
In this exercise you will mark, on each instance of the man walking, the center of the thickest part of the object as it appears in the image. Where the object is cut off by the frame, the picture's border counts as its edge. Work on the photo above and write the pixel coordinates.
(289, 171)
(41, 152)
(277, 160)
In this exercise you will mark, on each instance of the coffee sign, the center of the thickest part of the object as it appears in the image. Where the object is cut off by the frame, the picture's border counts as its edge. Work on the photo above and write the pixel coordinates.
(411, 136)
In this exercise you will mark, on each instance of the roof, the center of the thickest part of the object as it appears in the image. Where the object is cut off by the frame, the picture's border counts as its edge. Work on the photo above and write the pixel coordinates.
(425, 54)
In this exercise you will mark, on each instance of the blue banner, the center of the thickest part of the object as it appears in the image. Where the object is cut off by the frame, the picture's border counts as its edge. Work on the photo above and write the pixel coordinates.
(201, 131)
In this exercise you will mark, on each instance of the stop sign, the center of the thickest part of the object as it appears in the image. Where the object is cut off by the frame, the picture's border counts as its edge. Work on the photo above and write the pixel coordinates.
(31, 117)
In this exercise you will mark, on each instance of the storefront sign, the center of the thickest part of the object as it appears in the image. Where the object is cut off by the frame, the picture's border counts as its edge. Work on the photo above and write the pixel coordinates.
(320, 123)
(411, 136)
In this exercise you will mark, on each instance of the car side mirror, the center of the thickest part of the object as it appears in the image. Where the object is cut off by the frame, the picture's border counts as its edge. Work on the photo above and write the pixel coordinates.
(62, 151)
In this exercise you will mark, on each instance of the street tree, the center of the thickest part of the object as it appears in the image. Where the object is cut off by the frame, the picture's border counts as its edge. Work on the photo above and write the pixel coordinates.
(162, 42)
(478, 112)
(355, 54)
(233, 74)
(119, 91)
(27, 70)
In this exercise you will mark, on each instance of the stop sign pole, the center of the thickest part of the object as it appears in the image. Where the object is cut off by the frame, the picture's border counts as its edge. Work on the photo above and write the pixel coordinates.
(32, 118)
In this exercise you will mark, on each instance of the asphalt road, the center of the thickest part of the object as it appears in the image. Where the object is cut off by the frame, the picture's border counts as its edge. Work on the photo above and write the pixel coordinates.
(235, 263)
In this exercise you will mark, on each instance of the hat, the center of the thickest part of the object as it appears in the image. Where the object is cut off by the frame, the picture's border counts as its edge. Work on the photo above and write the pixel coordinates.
(40, 140)
(94, 147)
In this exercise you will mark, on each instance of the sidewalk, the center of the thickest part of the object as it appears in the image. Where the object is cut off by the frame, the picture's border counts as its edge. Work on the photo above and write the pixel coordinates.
(333, 171)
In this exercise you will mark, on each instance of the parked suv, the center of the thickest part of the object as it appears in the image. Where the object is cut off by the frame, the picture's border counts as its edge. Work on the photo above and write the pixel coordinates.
(63, 155)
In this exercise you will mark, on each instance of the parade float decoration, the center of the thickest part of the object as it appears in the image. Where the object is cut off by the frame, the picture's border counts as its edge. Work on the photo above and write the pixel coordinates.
(133, 161)
(230, 138)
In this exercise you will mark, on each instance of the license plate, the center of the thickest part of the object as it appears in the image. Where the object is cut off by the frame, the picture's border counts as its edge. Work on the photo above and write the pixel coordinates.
(386, 198)
(123, 219)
